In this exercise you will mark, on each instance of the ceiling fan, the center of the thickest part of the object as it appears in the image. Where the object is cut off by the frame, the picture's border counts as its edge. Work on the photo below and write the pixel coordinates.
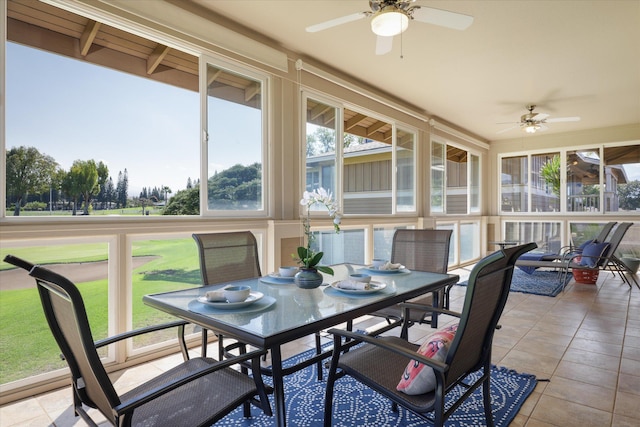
(391, 17)
(534, 122)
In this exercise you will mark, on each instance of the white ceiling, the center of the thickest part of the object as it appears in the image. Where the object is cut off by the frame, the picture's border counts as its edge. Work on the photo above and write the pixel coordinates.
(571, 58)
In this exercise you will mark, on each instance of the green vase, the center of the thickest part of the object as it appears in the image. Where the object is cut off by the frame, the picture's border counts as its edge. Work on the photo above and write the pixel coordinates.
(308, 278)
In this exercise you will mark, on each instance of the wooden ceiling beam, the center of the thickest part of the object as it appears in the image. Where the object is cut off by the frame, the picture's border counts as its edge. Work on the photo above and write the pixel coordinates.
(329, 119)
(212, 77)
(375, 127)
(88, 36)
(251, 91)
(406, 141)
(353, 121)
(156, 57)
(318, 110)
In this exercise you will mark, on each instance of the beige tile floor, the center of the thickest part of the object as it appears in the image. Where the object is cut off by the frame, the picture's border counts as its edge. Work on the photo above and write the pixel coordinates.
(586, 341)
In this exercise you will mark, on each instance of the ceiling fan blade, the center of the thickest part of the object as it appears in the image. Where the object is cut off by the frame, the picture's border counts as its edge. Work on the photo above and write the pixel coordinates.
(337, 21)
(383, 45)
(541, 116)
(443, 18)
(563, 119)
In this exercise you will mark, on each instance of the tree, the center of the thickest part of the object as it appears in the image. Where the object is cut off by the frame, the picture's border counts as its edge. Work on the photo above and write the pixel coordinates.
(56, 183)
(71, 190)
(322, 140)
(28, 171)
(103, 178)
(122, 188)
(109, 193)
(166, 190)
(550, 172)
(83, 178)
(629, 195)
(184, 202)
(237, 187)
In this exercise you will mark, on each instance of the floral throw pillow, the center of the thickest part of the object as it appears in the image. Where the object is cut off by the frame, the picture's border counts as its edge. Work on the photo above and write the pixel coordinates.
(419, 378)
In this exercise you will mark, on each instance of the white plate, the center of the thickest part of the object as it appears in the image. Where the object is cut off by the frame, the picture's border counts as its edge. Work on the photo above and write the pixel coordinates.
(373, 287)
(401, 269)
(253, 297)
(279, 277)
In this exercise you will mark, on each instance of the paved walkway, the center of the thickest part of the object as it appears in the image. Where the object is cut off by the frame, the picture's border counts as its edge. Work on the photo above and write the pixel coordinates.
(79, 272)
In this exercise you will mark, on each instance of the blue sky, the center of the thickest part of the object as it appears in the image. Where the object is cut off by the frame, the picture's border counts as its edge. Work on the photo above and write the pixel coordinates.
(73, 110)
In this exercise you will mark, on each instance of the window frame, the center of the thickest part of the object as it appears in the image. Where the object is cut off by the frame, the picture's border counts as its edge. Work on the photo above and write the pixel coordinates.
(599, 147)
(340, 106)
(265, 103)
(472, 210)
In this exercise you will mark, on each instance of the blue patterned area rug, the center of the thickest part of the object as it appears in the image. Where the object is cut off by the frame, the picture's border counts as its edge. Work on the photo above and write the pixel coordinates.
(539, 283)
(357, 405)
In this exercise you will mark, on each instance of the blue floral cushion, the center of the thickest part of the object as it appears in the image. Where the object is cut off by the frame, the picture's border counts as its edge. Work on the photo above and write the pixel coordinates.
(592, 253)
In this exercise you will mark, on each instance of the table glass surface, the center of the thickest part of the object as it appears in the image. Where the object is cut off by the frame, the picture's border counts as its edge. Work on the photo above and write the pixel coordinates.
(285, 306)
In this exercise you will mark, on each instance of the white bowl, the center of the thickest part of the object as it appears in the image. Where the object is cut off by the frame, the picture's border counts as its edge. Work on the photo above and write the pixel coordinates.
(237, 293)
(288, 271)
(357, 277)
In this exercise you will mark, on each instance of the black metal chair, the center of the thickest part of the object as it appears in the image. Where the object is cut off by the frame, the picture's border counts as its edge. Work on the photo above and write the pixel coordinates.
(379, 363)
(420, 250)
(225, 257)
(198, 392)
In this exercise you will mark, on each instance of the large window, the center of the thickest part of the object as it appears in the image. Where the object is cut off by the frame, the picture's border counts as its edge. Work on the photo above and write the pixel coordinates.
(455, 179)
(406, 170)
(438, 159)
(583, 180)
(160, 265)
(235, 129)
(546, 234)
(95, 126)
(321, 137)
(513, 179)
(622, 178)
(27, 345)
(378, 172)
(586, 180)
(114, 126)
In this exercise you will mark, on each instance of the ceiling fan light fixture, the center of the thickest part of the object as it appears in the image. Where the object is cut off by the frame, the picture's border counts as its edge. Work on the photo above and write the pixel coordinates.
(531, 128)
(390, 21)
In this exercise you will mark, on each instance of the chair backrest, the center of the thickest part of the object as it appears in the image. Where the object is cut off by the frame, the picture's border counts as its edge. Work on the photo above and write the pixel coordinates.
(67, 318)
(602, 236)
(487, 293)
(422, 250)
(614, 242)
(225, 257)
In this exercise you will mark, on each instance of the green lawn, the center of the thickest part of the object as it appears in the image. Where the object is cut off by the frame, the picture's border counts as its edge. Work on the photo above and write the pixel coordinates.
(26, 342)
(100, 212)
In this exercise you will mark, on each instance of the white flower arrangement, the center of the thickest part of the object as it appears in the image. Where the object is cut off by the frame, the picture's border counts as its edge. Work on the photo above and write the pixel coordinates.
(306, 257)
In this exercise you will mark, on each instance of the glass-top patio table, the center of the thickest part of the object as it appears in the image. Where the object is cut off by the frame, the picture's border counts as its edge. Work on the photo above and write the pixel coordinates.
(285, 312)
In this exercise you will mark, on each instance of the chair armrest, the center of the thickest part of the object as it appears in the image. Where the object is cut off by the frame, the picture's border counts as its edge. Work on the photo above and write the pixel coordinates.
(373, 340)
(407, 306)
(140, 331)
(131, 404)
(18, 262)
